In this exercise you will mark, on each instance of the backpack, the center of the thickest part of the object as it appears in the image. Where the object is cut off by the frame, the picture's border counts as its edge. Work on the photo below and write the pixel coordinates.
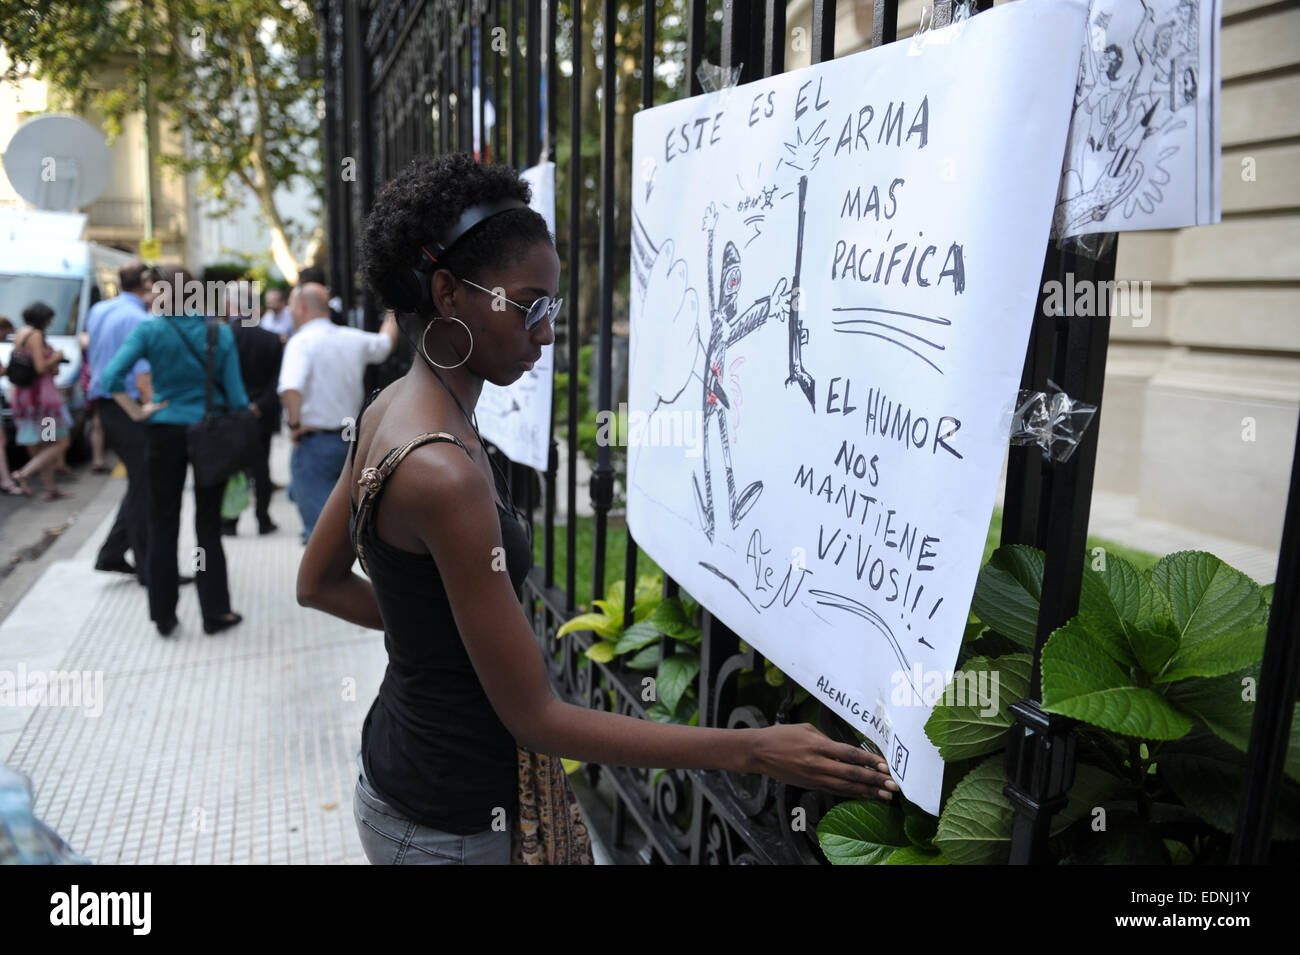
(21, 371)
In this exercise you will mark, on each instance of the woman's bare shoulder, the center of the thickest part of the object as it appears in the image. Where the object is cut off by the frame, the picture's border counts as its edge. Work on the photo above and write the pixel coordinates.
(440, 467)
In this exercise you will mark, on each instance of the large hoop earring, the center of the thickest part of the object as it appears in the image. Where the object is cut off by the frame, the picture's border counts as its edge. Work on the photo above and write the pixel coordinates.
(425, 353)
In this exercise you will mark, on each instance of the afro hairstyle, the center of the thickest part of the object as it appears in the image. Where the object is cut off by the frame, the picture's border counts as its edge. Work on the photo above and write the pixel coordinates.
(426, 199)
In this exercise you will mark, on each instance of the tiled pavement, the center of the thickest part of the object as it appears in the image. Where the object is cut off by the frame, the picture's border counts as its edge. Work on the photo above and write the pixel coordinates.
(232, 748)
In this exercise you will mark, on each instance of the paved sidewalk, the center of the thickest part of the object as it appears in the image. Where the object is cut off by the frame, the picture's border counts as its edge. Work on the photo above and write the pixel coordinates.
(1115, 517)
(232, 748)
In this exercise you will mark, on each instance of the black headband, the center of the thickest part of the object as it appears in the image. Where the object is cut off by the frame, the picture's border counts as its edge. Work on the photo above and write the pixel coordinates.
(468, 220)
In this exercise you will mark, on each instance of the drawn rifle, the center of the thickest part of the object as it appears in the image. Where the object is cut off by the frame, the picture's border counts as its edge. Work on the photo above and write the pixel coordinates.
(1128, 149)
(1121, 104)
(799, 334)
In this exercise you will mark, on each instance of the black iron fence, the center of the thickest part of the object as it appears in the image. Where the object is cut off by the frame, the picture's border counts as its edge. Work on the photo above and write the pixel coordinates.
(400, 81)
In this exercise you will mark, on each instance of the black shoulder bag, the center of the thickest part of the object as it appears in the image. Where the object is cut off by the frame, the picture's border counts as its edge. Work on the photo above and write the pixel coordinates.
(21, 370)
(223, 442)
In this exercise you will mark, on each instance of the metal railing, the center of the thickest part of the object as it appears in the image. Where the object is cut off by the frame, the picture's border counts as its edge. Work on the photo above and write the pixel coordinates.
(399, 83)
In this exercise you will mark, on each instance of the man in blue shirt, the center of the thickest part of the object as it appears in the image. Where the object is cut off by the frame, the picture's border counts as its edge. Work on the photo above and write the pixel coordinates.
(107, 325)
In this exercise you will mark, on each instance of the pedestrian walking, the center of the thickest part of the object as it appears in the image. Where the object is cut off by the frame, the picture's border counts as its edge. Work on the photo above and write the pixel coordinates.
(94, 423)
(107, 327)
(260, 352)
(175, 346)
(321, 388)
(314, 273)
(446, 554)
(41, 418)
(7, 484)
(275, 315)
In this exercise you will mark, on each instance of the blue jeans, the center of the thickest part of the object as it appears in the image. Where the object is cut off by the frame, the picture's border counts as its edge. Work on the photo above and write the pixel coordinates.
(389, 838)
(314, 468)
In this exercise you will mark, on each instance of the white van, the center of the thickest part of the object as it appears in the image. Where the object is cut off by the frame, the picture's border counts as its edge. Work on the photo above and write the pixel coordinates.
(43, 258)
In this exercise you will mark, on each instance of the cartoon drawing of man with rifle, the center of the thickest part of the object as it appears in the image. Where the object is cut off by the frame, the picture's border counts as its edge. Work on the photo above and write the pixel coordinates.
(728, 326)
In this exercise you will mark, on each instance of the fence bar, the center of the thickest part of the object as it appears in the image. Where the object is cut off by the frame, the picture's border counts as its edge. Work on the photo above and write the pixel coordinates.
(884, 22)
(533, 59)
(774, 38)
(647, 101)
(823, 30)
(465, 31)
(498, 93)
(571, 322)
(553, 450)
(1024, 489)
(602, 477)
(647, 54)
(481, 77)
(516, 107)
(356, 126)
(735, 39)
(1041, 745)
(444, 90)
(451, 51)
(330, 136)
(464, 60)
(552, 78)
(696, 38)
(1279, 678)
(629, 580)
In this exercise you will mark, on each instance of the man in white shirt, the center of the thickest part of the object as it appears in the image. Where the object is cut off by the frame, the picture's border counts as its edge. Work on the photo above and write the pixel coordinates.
(321, 389)
(276, 317)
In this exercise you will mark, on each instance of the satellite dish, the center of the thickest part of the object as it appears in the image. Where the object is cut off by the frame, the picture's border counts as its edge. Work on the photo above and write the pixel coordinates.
(57, 162)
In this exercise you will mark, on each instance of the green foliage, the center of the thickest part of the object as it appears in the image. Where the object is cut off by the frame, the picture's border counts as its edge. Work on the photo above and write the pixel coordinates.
(1159, 668)
(637, 646)
(223, 72)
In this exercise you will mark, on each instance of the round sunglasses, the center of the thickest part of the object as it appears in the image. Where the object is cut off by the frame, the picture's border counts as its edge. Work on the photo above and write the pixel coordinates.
(544, 307)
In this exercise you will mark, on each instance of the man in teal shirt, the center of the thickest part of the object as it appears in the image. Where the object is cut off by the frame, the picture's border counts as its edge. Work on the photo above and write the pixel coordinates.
(175, 346)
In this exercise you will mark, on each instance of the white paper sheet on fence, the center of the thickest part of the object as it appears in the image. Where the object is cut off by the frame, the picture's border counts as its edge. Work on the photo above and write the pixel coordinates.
(517, 418)
(1144, 141)
(819, 469)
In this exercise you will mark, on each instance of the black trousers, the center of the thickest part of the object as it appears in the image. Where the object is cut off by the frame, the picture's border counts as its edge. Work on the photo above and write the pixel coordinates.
(129, 440)
(168, 462)
(259, 472)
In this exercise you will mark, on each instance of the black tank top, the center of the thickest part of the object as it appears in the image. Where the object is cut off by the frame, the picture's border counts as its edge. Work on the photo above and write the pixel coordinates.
(431, 744)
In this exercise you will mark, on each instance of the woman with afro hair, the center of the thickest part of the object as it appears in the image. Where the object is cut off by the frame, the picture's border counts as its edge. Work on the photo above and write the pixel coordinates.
(451, 246)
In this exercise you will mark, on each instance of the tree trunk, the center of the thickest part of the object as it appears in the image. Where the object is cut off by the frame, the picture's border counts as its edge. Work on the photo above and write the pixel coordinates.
(263, 185)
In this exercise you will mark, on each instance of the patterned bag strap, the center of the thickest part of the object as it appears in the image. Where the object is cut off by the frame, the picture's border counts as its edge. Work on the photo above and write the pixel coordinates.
(372, 481)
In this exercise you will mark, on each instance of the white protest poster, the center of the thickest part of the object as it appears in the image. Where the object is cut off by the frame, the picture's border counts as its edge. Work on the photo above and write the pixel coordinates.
(517, 418)
(835, 271)
(1144, 144)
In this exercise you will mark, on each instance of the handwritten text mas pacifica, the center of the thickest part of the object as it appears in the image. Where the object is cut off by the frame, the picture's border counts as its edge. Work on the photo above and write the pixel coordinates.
(864, 255)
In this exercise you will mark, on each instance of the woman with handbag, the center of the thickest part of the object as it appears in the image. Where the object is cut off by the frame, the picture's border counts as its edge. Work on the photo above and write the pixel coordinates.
(37, 402)
(194, 370)
(450, 744)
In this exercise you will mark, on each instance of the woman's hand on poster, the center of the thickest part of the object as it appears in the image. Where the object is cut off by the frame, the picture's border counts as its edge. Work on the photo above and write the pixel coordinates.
(800, 755)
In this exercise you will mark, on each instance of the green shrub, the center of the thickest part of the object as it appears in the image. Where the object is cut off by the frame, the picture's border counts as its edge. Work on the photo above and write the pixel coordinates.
(1158, 668)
